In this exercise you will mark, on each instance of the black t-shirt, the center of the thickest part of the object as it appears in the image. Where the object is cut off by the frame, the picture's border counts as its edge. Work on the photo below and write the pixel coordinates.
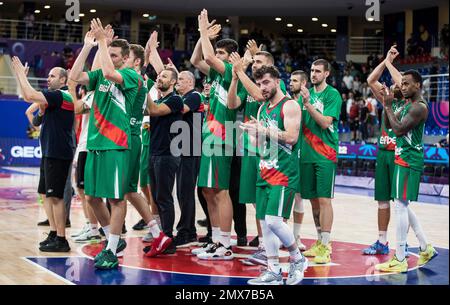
(363, 113)
(194, 118)
(160, 136)
(57, 126)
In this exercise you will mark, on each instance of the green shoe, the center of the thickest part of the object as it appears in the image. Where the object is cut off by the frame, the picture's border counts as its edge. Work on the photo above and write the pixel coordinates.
(107, 261)
(120, 247)
(99, 256)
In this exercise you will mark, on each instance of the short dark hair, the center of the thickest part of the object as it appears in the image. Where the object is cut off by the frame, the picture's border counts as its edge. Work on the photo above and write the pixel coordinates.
(303, 74)
(415, 75)
(174, 73)
(322, 62)
(123, 44)
(274, 73)
(267, 55)
(138, 52)
(228, 44)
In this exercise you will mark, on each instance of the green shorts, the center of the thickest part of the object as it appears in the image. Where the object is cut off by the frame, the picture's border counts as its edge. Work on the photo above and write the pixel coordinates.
(144, 177)
(317, 180)
(135, 163)
(107, 176)
(215, 172)
(249, 175)
(384, 172)
(274, 200)
(405, 183)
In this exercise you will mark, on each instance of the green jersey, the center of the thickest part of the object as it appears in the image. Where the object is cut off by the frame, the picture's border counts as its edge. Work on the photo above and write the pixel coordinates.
(218, 113)
(109, 120)
(251, 107)
(387, 138)
(409, 149)
(317, 144)
(138, 107)
(279, 163)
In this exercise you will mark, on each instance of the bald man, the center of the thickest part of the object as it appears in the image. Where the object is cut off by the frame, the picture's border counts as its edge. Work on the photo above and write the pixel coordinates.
(56, 137)
(190, 159)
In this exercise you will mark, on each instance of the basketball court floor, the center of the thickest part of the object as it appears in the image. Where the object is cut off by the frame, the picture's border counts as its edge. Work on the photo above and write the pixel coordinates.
(355, 227)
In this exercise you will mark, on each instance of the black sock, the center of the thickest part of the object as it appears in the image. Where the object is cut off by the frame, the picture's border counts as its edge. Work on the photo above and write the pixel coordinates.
(52, 234)
(61, 238)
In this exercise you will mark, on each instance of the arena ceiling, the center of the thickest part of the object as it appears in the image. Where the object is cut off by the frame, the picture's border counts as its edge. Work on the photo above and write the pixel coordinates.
(254, 7)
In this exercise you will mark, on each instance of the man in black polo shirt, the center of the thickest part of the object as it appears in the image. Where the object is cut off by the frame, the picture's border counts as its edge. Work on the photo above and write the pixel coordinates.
(57, 148)
(190, 159)
(163, 164)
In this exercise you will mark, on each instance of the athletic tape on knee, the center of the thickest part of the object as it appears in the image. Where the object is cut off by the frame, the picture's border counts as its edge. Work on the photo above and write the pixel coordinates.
(299, 207)
(383, 205)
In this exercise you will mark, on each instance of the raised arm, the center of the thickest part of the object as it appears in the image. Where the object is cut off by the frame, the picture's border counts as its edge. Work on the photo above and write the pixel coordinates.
(395, 74)
(233, 100)
(323, 121)
(372, 80)
(197, 55)
(30, 94)
(151, 49)
(207, 47)
(76, 73)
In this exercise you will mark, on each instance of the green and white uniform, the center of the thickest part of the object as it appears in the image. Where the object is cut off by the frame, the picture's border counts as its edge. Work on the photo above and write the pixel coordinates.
(278, 168)
(409, 160)
(109, 134)
(384, 170)
(144, 177)
(320, 147)
(137, 115)
(250, 160)
(215, 167)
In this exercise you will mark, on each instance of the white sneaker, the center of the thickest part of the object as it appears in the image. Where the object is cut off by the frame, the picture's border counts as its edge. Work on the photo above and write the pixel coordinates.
(300, 245)
(86, 228)
(148, 238)
(203, 248)
(217, 252)
(267, 278)
(259, 257)
(297, 271)
(88, 238)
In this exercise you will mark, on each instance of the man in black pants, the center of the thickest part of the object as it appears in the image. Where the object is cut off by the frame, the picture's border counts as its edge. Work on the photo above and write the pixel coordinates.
(190, 159)
(164, 164)
(57, 115)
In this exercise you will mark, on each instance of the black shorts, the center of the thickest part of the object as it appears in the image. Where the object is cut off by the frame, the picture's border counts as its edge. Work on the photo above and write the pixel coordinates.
(53, 177)
(81, 163)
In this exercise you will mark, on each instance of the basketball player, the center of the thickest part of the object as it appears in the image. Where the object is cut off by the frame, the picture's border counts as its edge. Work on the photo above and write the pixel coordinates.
(319, 147)
(408, 126)
(109, 137)
(278, 128)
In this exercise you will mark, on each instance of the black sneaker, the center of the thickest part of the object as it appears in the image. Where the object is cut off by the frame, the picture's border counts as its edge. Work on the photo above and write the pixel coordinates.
(124, 229)
(254, 242)
(171, 249)
(242, 241)
(50, 237)
(184, 241)
(202, 222)
(44, 223)
(205, 239)
(56, 245)
(140, 225)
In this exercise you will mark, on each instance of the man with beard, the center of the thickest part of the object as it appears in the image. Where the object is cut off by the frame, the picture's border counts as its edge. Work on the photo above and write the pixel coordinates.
(319, 147)
(275, 134)
(408, 125)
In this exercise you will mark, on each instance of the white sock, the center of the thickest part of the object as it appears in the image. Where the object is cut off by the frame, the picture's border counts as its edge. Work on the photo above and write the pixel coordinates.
(215, 234)
(274, 264)
(113, 241)
(154, 228)
(417, 228)
(280, 229)
(295, 254)
(106, 231)
(401, 215)
(382, 237)
(325, 238)
(297, 227)
(93, 229)
(224, 238)
(319, 233)
(158, 219)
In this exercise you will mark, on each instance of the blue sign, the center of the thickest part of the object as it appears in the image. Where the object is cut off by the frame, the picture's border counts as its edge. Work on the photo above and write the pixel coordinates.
(20, 152)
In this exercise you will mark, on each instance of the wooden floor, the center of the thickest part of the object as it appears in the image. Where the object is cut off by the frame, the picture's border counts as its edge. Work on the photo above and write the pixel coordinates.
(354, 221)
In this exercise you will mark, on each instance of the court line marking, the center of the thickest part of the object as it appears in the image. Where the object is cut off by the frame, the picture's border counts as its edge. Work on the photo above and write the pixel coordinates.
(47, 270)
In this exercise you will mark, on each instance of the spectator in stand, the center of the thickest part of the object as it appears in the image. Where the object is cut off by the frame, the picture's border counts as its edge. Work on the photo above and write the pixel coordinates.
(363, 119)
(349, 103)
(343, 117)
(343, 88)
(354, 72)
(356, 85)
(364, 73)
(372, 106)
(354, 120)
(365, 90)
(444, 41)
(348, 80)
(29, 25)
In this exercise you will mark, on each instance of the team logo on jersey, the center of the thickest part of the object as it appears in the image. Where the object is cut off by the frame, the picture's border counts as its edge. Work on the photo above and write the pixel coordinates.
(263, 164)
(387, 140)
(398, 151)
(318, 105)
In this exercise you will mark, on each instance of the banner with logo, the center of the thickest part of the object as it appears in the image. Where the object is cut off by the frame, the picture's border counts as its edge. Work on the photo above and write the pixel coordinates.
(20, 152)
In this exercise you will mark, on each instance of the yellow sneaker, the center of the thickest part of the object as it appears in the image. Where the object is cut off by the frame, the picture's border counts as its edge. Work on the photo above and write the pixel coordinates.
(393, 265)
(312, 252)
(427, 255)
(323, 254)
